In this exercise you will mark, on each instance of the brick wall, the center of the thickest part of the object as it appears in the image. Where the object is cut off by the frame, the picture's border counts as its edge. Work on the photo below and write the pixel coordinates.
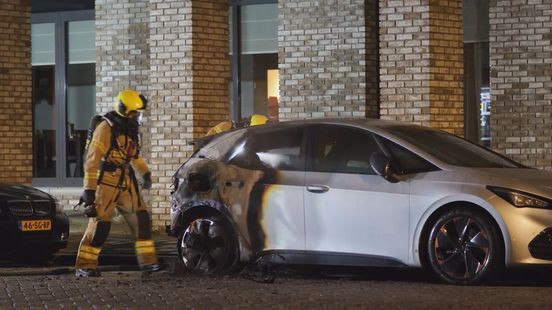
(188, 84)
(15, 92)
(211, 64)
(446, 61)
(521, 80)
(122, 50)
(421, 62)
(122, 60)
(323, 64)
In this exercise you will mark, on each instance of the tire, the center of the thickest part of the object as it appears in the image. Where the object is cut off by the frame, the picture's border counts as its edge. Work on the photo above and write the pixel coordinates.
(208, 246)
(464, 247)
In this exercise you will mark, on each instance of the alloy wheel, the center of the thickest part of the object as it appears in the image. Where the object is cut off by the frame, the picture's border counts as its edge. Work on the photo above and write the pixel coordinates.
(461, 248)
(205, 247)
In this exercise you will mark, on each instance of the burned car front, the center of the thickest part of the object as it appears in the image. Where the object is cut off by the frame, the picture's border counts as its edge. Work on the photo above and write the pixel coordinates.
(239, 196)
(209, 204)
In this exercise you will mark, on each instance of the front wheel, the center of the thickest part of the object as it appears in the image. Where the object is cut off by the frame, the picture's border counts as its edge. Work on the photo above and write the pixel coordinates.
(208, 246)
(464, 247)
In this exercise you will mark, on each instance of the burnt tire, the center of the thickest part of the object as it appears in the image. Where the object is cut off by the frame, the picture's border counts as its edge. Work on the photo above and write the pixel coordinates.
(208, 246)
(464, 247)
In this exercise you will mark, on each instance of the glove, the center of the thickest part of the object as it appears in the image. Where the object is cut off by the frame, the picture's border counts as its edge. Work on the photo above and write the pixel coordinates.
(147, 181)
(88, 197)
(90, 211)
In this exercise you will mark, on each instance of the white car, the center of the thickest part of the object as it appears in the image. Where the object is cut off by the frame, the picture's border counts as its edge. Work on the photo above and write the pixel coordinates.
(359, 192)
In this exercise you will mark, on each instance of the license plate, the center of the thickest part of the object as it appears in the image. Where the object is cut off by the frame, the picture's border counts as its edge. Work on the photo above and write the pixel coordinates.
(35, 225)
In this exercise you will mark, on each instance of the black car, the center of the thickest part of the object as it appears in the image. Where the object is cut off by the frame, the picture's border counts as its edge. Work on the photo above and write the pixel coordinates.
(31, 222)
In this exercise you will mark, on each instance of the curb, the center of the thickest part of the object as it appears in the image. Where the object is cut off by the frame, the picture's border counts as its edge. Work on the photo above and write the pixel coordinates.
(126, 263)
(56, 271)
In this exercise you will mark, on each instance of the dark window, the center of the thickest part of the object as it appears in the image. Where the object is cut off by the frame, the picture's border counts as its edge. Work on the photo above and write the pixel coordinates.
(80, 78)
(44, 122)
(81, 87)
(63, 58)
(407, 161)
(280, 149)
(341, 150)
(477, 98)
(254, 58)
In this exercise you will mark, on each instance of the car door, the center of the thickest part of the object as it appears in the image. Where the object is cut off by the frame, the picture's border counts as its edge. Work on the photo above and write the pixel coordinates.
(281, 152)
(348, 208)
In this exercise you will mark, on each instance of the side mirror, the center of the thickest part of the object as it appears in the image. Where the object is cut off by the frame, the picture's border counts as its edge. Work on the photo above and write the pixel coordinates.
(382, 166)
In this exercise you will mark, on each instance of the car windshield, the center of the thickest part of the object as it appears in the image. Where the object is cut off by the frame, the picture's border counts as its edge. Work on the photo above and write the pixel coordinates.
(451, 149)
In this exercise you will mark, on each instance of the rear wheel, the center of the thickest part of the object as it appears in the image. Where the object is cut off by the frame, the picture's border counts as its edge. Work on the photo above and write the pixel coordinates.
(464, 247)
(208, 246)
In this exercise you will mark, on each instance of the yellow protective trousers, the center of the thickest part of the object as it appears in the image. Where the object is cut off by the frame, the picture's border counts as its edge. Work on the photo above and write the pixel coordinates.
(128, 202)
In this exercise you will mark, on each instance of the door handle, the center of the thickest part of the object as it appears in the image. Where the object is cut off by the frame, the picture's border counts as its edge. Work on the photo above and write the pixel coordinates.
(319, 189)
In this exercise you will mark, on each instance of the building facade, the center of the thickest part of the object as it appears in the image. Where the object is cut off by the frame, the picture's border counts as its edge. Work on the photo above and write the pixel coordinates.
(476, 68)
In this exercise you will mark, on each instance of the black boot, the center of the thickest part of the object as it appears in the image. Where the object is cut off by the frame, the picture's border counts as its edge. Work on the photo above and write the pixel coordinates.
(152, 268)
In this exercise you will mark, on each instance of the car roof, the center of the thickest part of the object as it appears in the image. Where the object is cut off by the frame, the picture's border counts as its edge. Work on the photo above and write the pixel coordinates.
(367, 123)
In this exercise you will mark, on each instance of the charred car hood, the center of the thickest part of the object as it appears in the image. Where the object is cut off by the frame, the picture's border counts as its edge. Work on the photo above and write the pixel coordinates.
(11, 192)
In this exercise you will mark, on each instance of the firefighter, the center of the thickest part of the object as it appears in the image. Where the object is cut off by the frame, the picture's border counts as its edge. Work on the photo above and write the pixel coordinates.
(112, 162)
(253, 120)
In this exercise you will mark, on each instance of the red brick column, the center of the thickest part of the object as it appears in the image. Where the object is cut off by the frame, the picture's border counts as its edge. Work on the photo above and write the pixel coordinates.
(211, 64)
(327, 58)
(16, 108)
(521, 80)
(421, 62)
(189, 75)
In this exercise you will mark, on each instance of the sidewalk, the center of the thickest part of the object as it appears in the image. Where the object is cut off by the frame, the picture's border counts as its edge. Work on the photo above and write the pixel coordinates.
(120, 241)
(117, 253)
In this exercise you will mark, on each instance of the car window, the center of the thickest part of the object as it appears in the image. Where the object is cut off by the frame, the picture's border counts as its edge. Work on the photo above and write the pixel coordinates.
(451, 149)
(341, 149)
(407, 161)
(276, 148)
(280, 149)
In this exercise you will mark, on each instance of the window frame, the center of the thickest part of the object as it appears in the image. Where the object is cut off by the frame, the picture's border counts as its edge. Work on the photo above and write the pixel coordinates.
(235, 58)
(60, 20)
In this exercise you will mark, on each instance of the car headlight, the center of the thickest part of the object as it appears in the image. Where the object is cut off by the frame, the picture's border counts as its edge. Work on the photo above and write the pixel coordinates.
(59, 207)
(521, 199)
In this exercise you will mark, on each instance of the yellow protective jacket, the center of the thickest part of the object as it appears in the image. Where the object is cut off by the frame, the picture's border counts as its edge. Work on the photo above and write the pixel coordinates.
(126, 152)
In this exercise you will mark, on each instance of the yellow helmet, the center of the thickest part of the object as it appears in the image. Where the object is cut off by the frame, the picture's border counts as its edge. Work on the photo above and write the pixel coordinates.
(258, 119)
(128, 101)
